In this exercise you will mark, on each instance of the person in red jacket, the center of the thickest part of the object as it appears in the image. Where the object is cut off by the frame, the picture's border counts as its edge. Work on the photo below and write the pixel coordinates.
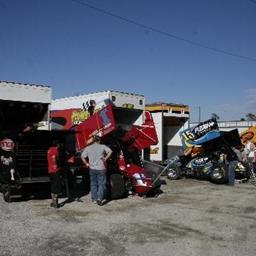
(53, 156)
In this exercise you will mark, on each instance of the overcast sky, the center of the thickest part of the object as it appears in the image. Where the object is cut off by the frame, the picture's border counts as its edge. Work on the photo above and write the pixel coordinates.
(195, 52)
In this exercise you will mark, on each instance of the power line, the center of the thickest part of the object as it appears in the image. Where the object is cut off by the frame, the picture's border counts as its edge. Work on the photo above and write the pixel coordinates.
(163, 32)
(253, 1)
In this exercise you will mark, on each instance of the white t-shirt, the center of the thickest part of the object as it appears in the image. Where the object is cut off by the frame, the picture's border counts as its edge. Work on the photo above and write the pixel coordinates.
(95, 154)
(250, 149)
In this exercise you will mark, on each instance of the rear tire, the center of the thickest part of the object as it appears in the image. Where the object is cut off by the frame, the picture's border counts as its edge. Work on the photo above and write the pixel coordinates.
(117, 186)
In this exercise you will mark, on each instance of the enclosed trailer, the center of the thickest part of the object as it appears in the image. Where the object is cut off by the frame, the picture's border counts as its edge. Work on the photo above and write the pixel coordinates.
(22, 104)
(128, 107)
(169, 119)
(24, 108)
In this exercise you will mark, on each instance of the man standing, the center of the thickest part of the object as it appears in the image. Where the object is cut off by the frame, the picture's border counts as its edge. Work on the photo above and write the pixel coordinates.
(250, 150)
(97, 154)
(53, 156)
(233, 157)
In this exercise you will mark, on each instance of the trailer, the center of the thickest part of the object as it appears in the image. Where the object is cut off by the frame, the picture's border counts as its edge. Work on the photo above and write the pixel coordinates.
(24, 109)
(22, 104)
(169, 120)
(83, 106)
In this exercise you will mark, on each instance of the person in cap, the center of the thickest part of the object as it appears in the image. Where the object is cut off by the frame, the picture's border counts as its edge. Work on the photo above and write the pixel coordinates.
(94, 157)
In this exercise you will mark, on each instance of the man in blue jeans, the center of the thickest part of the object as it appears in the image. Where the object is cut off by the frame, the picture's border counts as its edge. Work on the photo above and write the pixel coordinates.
(233, 157)
(94, 157)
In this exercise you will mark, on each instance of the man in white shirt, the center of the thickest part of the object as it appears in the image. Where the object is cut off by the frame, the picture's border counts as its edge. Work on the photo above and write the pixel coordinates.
(94, 157)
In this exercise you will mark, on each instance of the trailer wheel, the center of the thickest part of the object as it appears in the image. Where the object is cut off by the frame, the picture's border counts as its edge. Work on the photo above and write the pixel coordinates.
(219, 174)
(117, 186)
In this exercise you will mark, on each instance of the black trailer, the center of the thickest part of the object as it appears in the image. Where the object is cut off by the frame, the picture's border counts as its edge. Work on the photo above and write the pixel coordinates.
(31, 166)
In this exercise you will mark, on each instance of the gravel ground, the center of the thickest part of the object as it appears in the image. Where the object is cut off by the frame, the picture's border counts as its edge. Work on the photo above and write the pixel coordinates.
(189, 218)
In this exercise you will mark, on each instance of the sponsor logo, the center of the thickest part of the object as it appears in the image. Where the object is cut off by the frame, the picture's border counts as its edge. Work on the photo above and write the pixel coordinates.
(7, 145)
(154, 150)
(200, 130)
(79, 116)
(105, 118)
(128, 105)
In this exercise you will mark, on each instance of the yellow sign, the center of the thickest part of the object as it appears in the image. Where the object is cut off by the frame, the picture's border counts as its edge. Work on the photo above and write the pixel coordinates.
(78, 116)
(154, 150)
(128, 105)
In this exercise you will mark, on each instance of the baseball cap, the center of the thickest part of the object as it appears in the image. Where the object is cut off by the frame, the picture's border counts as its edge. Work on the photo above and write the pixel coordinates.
(96, 138)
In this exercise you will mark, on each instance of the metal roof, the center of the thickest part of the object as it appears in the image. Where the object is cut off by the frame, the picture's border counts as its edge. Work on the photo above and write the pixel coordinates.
(18, 83)
(166, 104)
(99, 92)
(12, 91)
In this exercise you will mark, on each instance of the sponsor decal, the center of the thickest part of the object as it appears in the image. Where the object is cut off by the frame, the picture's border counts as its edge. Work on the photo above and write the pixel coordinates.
(128, 105)
(247, 136)
(89, 106)
(201, 129)
(154, 150)
(7, 145)
(79, 116)
(190, 136)
(105, 118)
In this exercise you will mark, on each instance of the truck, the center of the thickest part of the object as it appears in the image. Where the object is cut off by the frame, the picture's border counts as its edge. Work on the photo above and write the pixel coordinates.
(121, 122)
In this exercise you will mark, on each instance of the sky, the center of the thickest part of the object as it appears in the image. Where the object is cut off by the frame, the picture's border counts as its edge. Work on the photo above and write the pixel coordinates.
(194, 52)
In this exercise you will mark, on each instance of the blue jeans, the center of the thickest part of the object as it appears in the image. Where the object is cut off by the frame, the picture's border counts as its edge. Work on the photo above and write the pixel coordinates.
(98, 180)
(231, 172)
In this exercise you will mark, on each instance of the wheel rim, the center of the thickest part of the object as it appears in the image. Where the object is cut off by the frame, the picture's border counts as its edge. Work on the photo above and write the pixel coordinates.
(172, 173)
(217, 173)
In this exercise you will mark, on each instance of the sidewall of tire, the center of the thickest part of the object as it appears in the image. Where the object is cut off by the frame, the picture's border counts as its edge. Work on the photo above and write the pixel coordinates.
(224, 170)
(116, 186)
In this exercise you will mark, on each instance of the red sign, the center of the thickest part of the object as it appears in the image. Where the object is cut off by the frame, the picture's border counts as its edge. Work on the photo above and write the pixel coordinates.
(7, 145)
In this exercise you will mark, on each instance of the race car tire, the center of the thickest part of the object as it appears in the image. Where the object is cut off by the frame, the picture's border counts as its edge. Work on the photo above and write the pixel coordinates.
(6, 196)
(117, 186)
(219, 174)
(173, 173)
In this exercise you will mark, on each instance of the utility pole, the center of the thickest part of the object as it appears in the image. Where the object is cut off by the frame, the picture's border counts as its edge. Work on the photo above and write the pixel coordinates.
(199, 114)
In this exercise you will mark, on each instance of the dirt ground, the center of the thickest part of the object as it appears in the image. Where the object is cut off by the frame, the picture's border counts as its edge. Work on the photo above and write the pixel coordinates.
(190, 217)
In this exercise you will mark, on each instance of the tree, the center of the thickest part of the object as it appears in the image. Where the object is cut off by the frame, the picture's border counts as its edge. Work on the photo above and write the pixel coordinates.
(215, 116)
(251, 117)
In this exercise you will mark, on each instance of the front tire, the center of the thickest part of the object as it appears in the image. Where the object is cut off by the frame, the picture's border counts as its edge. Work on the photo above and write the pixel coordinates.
(173, 173)
(219, 174)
